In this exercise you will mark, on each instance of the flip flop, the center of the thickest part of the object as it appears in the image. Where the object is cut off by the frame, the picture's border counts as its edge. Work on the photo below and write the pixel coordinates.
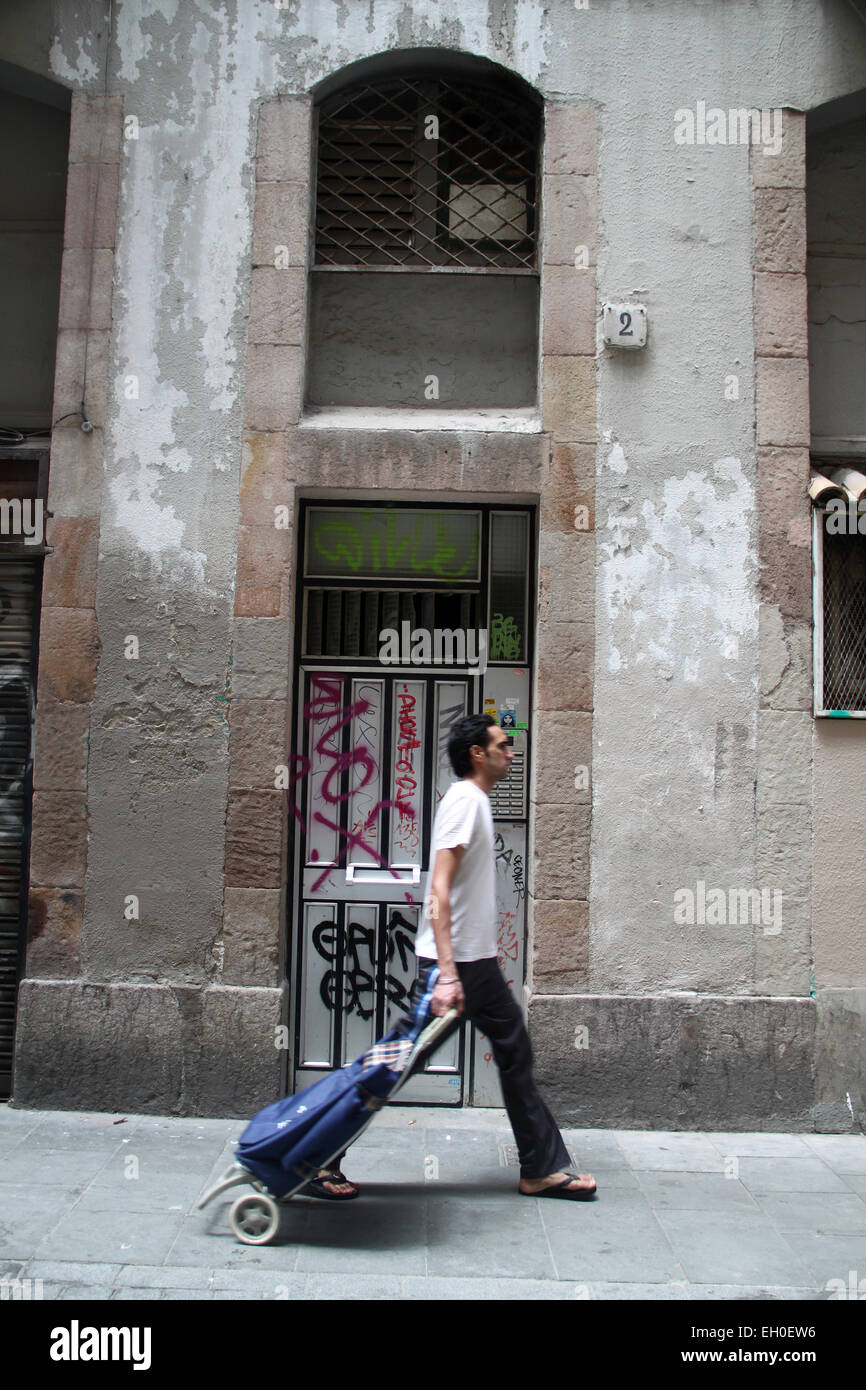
(561, 1190)
(316, 1187)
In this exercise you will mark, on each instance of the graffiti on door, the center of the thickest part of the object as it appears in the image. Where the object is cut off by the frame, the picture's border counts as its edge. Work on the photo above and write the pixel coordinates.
(407, 837)
(326, 707)
(359, 964)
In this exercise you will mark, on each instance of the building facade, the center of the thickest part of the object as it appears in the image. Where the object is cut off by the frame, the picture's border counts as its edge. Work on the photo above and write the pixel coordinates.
(415, 359)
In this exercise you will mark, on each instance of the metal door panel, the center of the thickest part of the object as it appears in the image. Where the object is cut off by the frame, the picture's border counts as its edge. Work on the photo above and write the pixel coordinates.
(360, 794)
(365, 772)
(407, 779)
(360, 967)
(316, 1018)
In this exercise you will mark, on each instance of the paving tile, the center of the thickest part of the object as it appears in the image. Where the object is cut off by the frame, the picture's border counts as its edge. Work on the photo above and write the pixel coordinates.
(659, 1293)
(352, 1286)
(467, 1154)
(16, 1127)
(276, 1284)
(440, 1117)
(14, 1115)
(207, 1240)
(200, 1295)
(687, 1153)
(181, 1176)
(499, 1290)
(844, 1153)
(591, 1149)
(66, 1167)
(382, 1160)
(27, 1217)
(713, 1249)
(137, 1197)
(86, 1291)
(51, 1290)
(696, 1192)
(15, 1289)
(453, 1290)
(829, 1255)
(73, 1271)
(842, 1213)
(758, 1293)
(56, 1145)
(123, 1237)
(366, 1235)
(788, 1175)
(235, 1296)
(124, 1295)
(159, 1276)
(184, 1166)
(761, 1145)
(609, 1242)
(487, 1235)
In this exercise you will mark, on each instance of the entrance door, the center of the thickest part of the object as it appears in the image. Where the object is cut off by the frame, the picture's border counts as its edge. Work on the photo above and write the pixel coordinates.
(375, 703)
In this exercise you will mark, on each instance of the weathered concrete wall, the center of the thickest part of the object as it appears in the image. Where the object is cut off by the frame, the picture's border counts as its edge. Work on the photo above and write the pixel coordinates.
(376, 340)
(680, 735)
(703, 1059)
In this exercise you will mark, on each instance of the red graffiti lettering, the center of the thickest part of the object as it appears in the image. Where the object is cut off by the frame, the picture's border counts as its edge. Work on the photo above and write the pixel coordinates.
(406, 833)
(507, 940)
(327, 716)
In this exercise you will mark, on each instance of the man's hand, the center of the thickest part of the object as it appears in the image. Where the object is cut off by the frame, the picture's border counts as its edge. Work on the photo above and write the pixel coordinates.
(447, 997)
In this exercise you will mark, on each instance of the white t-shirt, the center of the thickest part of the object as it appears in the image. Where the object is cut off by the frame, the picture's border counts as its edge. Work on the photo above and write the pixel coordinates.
(463, 817)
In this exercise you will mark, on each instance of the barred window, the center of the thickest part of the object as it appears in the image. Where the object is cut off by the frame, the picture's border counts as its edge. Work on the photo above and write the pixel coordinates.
(839, 573)
(425, 285)
(844, 614)
(426, 173)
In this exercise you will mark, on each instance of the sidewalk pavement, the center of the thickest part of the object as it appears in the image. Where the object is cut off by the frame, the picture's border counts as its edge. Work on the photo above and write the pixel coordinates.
(102, 1206)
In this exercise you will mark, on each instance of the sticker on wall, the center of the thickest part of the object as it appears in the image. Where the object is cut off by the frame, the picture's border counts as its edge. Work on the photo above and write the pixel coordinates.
(507, 719)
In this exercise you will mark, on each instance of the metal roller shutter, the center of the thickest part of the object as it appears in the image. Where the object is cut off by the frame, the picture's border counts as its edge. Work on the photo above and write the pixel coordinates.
(19, 587)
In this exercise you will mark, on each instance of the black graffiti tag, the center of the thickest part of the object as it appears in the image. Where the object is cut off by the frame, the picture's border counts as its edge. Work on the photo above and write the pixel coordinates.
(359, 982)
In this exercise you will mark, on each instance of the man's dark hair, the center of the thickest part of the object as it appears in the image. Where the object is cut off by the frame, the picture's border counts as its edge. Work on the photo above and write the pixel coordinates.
(465, 733)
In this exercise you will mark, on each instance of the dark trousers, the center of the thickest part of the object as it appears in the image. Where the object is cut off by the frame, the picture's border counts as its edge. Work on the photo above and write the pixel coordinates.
(490, 1005)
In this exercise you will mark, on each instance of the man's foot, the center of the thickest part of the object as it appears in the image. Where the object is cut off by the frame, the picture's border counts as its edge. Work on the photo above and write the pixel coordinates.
(579, 1187)
(331, 1184)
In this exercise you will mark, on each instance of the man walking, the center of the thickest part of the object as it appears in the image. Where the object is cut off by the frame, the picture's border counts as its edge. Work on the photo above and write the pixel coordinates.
(459, 932)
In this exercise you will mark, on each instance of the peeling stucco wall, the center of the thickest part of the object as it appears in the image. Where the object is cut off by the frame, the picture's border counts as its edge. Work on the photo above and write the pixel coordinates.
(676, 741)
(191, 77)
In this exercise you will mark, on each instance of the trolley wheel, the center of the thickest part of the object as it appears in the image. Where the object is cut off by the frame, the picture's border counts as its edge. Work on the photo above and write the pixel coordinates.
(255, 1219)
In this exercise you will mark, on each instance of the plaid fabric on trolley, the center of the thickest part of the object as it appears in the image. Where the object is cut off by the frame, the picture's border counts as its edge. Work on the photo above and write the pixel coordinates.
(394, 1055)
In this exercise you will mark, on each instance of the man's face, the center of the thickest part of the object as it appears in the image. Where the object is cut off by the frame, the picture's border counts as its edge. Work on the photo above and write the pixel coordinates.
(498, 753)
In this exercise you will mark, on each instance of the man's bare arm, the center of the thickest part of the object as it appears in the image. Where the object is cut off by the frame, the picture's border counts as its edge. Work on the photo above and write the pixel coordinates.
(445, 866)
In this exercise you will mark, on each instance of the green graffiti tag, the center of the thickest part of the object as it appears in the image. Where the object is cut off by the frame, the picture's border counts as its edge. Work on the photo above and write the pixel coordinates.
(505, 640)
(396, 544)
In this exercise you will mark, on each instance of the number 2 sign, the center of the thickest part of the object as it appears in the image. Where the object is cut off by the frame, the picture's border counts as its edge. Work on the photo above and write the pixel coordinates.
(625, 325)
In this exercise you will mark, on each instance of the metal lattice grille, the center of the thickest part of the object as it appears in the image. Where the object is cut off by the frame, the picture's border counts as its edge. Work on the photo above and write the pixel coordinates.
(426, 172)
(18, 588)
(348, 622)
(844, 622)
